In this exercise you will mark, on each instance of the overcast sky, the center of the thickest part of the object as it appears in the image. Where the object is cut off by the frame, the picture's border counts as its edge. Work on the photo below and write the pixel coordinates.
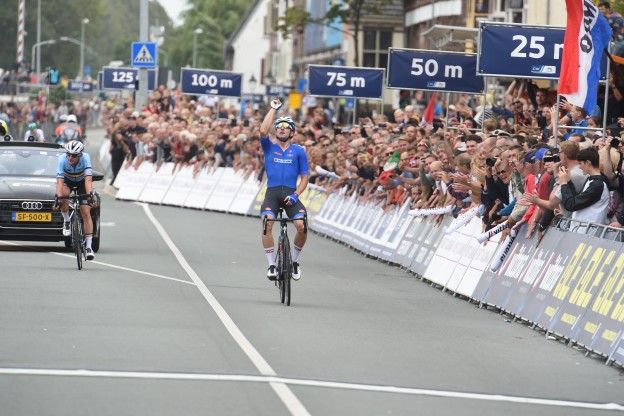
(173, 9)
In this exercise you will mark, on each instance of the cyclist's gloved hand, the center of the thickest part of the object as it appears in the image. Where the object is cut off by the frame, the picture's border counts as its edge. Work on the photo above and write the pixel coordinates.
(276, 104)
(292, 199)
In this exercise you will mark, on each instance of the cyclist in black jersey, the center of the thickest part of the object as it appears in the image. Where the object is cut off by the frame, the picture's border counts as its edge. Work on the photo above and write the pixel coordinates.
(284, 163)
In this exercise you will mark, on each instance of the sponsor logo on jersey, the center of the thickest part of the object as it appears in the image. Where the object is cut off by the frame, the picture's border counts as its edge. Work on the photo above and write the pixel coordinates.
(283, 161)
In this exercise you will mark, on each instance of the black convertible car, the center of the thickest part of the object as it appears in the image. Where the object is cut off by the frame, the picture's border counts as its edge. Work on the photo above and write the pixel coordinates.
(27, 188)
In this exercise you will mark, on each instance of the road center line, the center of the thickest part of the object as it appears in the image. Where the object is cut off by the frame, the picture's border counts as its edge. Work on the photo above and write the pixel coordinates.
(281, 389)
(113, 266)
(309, 383)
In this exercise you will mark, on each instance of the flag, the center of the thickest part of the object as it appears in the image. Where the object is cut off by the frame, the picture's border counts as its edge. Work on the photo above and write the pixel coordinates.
(428, 114)
(586, 36)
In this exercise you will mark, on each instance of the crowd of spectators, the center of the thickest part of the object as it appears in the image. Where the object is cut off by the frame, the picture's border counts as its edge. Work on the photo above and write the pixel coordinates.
(505, 158)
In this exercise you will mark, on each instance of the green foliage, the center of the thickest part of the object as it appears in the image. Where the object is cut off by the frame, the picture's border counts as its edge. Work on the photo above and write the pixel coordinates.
(113, 24)
(218, 19)
(58, 95)
(618, 6)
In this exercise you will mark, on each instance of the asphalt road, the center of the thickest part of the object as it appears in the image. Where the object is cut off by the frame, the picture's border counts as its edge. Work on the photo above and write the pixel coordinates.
(176, 317)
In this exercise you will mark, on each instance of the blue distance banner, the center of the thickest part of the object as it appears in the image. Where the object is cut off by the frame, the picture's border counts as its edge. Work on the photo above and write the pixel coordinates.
(414, 69)
(345, 81)
(118, 78)
(278, 90)
(79, 86)
(520, 51)
(206, 81)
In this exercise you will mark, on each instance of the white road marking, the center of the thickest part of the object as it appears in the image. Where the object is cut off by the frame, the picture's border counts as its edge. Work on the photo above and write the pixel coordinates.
(281, 389)
(309, 383)
(107, 224)
(114, 266)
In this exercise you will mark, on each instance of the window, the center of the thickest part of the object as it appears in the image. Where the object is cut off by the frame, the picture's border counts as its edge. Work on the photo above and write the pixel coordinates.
(376, 44)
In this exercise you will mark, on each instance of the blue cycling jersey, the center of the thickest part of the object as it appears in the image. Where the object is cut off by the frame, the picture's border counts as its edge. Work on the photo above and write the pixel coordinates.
(283, 166)
(64, 169)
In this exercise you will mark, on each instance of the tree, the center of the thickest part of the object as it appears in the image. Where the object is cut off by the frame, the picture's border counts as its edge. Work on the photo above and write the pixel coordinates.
(349, 12)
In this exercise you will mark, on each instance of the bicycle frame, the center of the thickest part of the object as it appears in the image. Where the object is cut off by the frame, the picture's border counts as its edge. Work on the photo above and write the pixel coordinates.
(75, 219)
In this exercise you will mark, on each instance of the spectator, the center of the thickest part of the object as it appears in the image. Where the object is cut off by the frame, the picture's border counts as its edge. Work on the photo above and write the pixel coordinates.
(590, 203)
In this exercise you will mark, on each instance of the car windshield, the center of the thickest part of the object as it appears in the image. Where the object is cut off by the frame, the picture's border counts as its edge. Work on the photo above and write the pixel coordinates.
(28, 162)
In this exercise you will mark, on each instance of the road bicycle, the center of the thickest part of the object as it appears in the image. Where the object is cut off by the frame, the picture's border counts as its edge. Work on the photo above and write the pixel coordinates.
(75, 220)
(284, 261)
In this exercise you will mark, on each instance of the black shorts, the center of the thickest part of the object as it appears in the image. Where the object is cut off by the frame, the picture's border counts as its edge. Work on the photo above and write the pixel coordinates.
(274, 199)
(80, 187)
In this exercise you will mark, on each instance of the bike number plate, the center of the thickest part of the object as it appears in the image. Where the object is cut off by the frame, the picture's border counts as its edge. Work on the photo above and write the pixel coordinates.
(31, 216)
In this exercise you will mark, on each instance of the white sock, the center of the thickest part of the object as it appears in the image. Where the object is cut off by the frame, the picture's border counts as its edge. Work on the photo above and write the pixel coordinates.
(88, 239)
(65, 216)
(295, 253)
(270, 255)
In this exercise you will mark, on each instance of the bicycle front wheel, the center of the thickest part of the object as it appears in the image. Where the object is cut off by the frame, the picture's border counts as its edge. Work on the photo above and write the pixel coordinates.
(77, 239)
(287, 269)
(280, 268)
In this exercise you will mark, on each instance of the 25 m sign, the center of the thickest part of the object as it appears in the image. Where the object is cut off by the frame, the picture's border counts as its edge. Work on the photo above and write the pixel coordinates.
(345, 81)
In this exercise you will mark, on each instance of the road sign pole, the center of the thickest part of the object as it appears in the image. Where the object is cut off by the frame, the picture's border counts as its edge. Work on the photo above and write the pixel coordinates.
(141, 97)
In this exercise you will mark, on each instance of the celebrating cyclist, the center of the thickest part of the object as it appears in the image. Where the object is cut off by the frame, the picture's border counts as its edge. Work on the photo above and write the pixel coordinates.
(74, 172)
(33, 133)
(284, 162)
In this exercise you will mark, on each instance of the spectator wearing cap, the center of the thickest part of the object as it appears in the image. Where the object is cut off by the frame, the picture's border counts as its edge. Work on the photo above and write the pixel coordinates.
(590, 203)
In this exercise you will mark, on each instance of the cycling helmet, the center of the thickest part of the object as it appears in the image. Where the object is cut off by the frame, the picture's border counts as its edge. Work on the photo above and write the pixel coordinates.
(74, 147)
(287, 119)
(4, 129)
(63, 118)
(72, 119)
(32, 126)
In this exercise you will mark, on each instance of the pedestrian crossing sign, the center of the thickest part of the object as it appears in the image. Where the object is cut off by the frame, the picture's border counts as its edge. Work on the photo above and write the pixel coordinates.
(143, 55)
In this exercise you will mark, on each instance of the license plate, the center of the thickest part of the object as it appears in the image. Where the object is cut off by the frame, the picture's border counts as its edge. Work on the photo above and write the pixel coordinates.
(32, 216)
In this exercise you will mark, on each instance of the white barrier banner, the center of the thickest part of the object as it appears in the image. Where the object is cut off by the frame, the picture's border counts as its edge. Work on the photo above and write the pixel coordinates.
(135, 181)
(204, 185)
(180, 188)
(246, 195)
(224, 191)
(122, 175)
(105, 158)
(158, 184)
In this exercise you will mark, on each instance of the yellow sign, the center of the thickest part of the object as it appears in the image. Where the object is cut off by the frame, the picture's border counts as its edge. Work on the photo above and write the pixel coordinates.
(32, 216)
(294, 100)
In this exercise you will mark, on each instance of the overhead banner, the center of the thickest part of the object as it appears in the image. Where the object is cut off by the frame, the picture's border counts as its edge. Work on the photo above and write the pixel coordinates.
(206, 81)
(522, 51)
(119, 78)
(345, 81)
(415, 69)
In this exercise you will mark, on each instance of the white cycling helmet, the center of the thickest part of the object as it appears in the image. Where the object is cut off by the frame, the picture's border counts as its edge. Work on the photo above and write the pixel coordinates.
(74, 147)
(72, 119)
(287, 119)
(63, 118)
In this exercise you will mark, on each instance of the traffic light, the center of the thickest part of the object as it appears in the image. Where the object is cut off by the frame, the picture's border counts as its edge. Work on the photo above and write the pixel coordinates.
(53, 76)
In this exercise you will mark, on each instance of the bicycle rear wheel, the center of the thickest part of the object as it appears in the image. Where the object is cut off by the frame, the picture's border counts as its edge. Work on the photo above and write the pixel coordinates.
(287, 269)
(76, 239)
(280, 268)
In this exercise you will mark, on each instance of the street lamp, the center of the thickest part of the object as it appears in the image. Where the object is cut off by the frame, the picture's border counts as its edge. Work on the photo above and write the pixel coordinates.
(82, 36)
(32, 53)
(292, 75)
(196, 32)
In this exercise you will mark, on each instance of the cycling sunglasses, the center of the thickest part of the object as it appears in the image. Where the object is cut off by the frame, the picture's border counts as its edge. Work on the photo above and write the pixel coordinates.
(283, 125)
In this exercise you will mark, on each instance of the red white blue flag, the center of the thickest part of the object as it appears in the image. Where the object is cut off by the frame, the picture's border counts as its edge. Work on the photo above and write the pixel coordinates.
(586, 37)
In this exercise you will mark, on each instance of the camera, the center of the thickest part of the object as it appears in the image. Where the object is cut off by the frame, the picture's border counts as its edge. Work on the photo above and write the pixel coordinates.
(31, 138)
(490, 161)
(553, 158)
(541, 121)
(614, 143)
(7, 138)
